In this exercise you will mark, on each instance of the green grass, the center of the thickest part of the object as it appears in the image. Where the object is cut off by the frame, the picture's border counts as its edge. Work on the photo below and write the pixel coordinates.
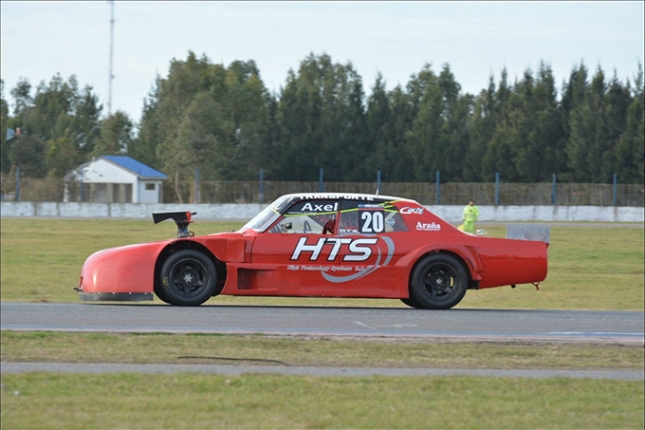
(589, 267)
(82, 401)
(298, 351)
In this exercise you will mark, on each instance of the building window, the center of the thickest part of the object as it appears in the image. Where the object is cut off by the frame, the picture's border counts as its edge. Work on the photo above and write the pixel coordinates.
(150, 187)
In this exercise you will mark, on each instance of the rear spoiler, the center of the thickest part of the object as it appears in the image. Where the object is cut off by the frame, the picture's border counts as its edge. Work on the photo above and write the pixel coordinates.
(182, 219)
(538, 232)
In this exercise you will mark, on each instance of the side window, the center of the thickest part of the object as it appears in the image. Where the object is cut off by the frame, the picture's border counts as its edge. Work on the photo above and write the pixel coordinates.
(308, 217)
(359, 217)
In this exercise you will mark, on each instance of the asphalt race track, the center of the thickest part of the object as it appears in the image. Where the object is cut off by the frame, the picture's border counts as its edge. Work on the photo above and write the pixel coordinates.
(457, 324)
(625, 375)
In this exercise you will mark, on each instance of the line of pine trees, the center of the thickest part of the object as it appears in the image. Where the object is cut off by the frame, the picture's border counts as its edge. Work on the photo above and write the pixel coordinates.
(224, 122)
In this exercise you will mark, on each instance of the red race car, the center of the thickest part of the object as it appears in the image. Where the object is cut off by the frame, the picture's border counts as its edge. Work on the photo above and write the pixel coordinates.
(320, 245)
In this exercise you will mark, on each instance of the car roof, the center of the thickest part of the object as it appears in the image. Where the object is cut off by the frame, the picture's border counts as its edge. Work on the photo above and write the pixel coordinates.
(346, 196)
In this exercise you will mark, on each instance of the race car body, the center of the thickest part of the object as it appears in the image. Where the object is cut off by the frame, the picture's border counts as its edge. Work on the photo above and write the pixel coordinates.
(318, 245)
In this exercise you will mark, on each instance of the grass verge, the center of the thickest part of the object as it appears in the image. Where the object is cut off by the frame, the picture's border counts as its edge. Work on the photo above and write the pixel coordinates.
(54, 401)
(231, 349)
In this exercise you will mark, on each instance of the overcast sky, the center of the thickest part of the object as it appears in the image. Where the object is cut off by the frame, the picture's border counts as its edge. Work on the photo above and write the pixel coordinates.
(478, 39)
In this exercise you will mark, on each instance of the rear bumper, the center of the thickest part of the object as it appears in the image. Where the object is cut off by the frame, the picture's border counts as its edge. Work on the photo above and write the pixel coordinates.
(115, 297)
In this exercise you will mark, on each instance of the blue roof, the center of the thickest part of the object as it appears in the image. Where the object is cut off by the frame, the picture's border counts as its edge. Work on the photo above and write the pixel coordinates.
(136, 167)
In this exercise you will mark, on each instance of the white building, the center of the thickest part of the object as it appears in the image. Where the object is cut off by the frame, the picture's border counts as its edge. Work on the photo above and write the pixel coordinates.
(114, 179)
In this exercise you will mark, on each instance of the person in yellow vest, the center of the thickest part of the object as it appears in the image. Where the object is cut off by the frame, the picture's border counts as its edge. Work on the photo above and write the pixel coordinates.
(470, 215)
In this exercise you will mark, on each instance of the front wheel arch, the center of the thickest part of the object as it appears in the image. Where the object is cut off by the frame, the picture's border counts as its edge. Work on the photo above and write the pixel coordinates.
(187, 244)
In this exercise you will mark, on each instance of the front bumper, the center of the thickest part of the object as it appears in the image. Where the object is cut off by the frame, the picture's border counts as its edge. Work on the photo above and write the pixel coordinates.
(114, 297)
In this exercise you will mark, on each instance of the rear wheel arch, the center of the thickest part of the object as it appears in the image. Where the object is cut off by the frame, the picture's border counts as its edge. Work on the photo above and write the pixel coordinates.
(438, 280)
(472, 284)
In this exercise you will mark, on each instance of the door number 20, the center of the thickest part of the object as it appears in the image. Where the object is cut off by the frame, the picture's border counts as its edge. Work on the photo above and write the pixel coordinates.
(372, 222)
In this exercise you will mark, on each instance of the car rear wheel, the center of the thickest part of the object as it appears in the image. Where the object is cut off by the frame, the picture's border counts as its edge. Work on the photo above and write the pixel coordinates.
(411, 302)
(188, 278)
(438, 281)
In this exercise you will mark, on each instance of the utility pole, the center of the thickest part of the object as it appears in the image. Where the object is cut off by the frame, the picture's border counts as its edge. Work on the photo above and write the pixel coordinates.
(111, 2)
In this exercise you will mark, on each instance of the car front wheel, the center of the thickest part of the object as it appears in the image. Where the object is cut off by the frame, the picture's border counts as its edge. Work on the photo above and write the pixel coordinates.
(438, 281)
(188, 278)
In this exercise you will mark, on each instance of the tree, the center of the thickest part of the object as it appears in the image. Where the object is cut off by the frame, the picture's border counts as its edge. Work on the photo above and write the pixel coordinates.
(205, 117)
(380, 143)
(322, 120)
(116, 136)
(500, 154)
(536, 119)
(4, 125)
(458, 112)
(298, 113)
(402, 117)
(245, 106)
(576, 119)
(62, 156)
(425, 140)
(29, 154)
(588, 147)
(616, 104)
(149, 133)
(222, 121)
(629, 149)
(59, 115)
(85, 122)
(549, 133)
(480, 130)
(22, 97)
(438, 140)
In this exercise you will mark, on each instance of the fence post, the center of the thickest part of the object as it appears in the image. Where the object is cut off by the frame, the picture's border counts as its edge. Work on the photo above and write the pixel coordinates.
(615, 189)
(261, 196)
(80, 185)
(378, 182)
(497, 189)
(321, 188)
(17, 196)
(554, 196)
(197, 186)
(437, 198)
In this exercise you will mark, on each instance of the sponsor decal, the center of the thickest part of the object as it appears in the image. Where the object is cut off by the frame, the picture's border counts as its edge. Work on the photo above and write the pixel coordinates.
(313, 207)
(424, 226)
(332, 196)
(306, 267)
(358, 250)
(411, 211)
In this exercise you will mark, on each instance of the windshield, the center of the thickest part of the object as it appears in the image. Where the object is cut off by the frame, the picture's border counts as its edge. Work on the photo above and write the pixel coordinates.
(264, 219)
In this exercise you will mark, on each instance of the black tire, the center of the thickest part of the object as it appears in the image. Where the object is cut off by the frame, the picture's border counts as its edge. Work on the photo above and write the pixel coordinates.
(159, 291)
(438, 281)
(411, 302)
(187, 278)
